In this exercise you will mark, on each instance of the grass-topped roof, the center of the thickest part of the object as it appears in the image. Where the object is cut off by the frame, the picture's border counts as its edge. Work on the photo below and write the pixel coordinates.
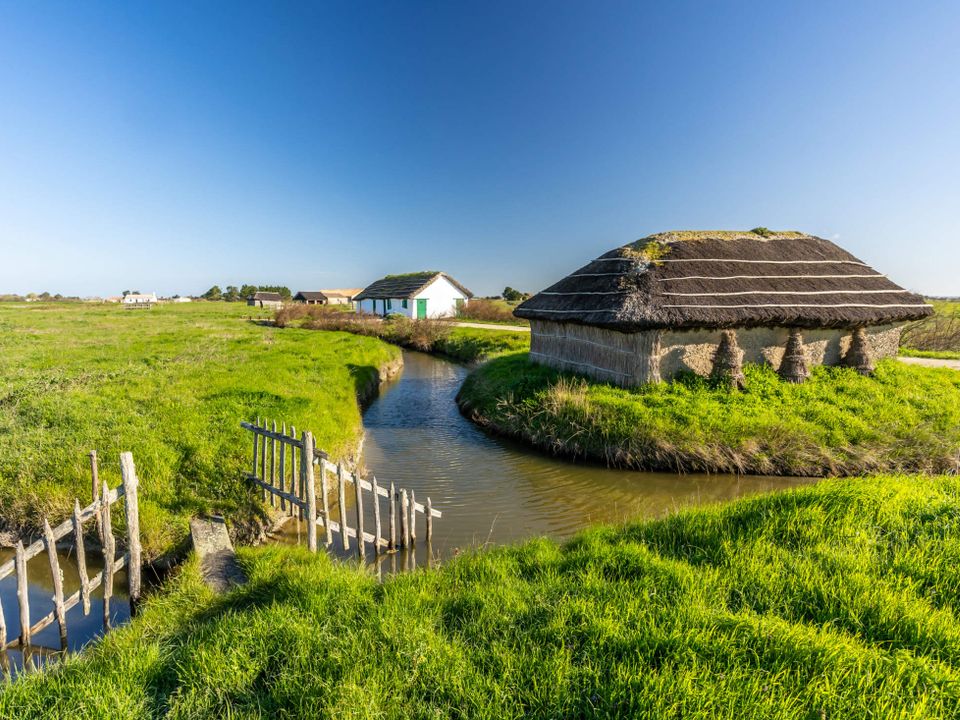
(406, 285)
(722, 278)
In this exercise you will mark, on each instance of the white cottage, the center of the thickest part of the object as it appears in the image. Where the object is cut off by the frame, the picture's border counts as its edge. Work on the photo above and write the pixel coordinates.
(419, 296)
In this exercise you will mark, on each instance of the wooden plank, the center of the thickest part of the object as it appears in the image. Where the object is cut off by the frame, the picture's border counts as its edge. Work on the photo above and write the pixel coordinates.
(376, 516)
(393, 517)
(264, 432)
(421, 509)
(351, 532)
(273, 464)
(429, 515)
(342, 498)
(57, 576)
(95, 482)
(413, 518)
(132, 509)
(359, 500)
(404, 519)
(311, 491)
(109, 553)
(81, 558)
(325, 493)
(283, 473)
(292, 499)
(23, 594)
(218, 561)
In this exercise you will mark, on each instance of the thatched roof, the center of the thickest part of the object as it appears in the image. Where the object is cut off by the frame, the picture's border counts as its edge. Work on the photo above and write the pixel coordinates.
(720, 279)
(406, 286)
(265, 296)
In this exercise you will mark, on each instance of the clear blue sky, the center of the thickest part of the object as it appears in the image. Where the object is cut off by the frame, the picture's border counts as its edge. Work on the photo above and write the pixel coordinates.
(171, 146)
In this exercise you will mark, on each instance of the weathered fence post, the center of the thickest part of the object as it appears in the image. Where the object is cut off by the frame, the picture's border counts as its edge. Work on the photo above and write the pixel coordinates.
(256, 460)
(273, 464)
(81, 558)
(359, 492)
(429, 514)
(404, 519)
(132, 507)
(306, 474)
(95, 481)
(3, 639)
(23, 596)
(300, 493)
(413, 518)
(324, 490)
(343, 507)
(109, 555)
(283, 472)
(393, 517)
(57, 576)
(376, 517)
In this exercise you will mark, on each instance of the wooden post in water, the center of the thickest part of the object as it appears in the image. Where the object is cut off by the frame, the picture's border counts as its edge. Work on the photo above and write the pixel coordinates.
(404, 519)
(283, 472)
(57, 576)
(132, 508)
(413, 518)
(393, 517)
(256, 460)
(3, 639)
(324, 491)
(359, 492)
(376, 517)
(343, 507)
(293, 466)
(23, 596)
(429, 515)
(81, 558)
(273, 465)
(95, 482)
(109, 556)
(263, 464)
(306, 473)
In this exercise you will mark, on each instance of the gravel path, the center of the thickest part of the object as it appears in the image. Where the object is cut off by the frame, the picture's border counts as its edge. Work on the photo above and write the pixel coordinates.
(931, 362)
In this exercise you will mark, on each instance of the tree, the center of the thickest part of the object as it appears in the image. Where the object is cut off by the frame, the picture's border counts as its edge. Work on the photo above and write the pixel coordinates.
(213, 293)
(511, 295)
(247, 290)
(283, 290)
(232, 294)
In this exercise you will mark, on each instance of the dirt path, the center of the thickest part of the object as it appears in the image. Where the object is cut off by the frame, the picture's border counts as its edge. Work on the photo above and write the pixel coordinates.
(931, 362)
(491, 326)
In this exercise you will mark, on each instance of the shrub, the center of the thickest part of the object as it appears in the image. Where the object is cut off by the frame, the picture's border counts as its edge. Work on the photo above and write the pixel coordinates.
(486, 311)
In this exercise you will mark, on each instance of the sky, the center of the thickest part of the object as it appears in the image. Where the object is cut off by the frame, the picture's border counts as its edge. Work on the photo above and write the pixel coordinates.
(168, 147)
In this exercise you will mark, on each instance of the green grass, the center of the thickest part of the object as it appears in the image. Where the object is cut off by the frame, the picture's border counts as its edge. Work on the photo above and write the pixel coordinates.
(171, 385)
(933, 354)
(472, 345)
(935, 337)
(839, 600)
(904, 418)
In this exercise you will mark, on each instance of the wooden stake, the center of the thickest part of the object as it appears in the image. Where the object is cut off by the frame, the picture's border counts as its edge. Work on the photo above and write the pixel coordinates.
(293, 472)
(283, 472)
(343, 507)
(306, 471)
(359, 494)
(325, 492)
(273, 465)
(23, 596)
(132, 507)
(376, 517)
(95, 481)
(429, 521)
(57, 576)
(256, 462)
(109, 556)
(81, 558)
(393, 517)
(404, 519)
(413, 518)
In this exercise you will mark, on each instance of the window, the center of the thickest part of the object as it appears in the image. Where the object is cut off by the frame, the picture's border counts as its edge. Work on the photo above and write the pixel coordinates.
(404, 304)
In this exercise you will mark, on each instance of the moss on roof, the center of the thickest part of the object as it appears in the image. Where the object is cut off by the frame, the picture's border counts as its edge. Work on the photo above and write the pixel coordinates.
(760, 234)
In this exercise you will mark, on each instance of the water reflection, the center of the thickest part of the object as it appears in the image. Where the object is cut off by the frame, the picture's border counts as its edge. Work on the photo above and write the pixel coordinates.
(493, 490)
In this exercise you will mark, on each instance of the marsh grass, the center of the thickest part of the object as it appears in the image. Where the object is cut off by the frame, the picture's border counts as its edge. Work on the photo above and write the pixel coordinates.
(171, 385)
(838, 423)
(935, 337)
(833, 601)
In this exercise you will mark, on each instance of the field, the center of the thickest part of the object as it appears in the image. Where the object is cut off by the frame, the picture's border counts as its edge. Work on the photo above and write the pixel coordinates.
(937, 336)
(839, 600)
(171, 385)
(838, 423)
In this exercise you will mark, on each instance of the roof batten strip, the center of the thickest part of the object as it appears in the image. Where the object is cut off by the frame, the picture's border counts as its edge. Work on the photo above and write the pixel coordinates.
(798, 305)
(789, 292)
(758, 277)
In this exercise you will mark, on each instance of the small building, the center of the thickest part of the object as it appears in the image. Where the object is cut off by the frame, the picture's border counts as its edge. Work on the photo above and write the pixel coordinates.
(266, 300)
(696, 301)
(138, 301)
(420, 295)
(339, 296)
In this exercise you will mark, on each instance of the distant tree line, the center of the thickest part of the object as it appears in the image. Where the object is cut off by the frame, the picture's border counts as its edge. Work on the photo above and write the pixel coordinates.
(232, 293)
(38, 297)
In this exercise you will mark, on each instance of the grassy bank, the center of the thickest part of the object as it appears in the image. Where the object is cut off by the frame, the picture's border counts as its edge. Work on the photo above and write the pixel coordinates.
(835, 601)
(466, 345)
(935, 337)
(903, 419)
(171, 385)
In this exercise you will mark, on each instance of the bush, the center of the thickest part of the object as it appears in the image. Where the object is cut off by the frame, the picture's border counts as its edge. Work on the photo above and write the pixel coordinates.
(487, 311)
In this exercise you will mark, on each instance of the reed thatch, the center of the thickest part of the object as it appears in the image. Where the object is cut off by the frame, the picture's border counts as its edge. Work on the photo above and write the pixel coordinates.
(405, 286)
(858, 355)
(723, 279)
(728, 362)
(793, 367)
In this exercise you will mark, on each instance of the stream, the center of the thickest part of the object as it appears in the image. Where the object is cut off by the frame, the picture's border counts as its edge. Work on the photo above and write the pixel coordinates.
(493, 490)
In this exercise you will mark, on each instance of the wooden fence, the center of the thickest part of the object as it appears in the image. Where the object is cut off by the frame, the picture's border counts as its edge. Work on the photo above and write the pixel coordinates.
(288, 478)
(99, 509)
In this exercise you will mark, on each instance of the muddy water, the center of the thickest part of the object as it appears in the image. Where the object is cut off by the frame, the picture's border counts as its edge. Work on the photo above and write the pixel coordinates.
(45, 645)
(494, 491)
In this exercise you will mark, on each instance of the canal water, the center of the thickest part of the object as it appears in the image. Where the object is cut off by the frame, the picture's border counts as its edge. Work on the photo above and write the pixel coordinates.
(493, 490)
(81, 629)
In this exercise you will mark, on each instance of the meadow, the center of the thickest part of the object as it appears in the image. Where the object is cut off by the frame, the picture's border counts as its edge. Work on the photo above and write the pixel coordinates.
(936, 337)
(902, 419)
(839, 600)
(170, 384)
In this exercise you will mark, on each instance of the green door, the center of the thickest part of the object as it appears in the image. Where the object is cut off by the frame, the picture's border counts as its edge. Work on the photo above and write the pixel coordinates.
(421, 309)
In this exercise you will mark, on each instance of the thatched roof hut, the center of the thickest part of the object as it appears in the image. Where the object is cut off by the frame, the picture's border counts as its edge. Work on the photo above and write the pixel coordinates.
(657, 306)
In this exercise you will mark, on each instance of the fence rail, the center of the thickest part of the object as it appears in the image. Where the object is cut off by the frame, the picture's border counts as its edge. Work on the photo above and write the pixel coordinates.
(289, 478)
(104, 497)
